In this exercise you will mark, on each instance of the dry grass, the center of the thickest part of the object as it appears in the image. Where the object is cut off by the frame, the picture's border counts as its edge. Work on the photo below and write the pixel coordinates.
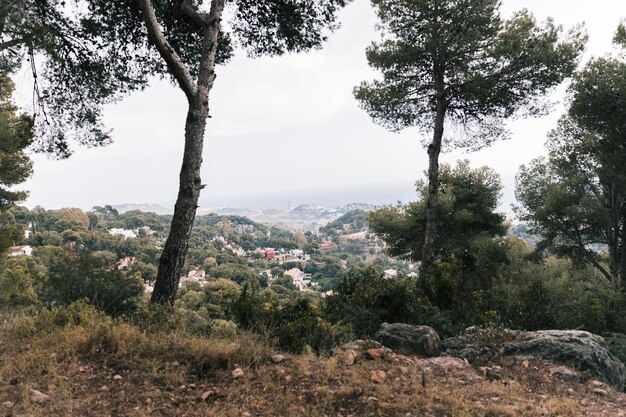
(166, 374)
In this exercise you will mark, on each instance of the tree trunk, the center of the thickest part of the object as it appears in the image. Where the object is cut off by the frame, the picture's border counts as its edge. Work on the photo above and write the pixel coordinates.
(177, 244)
(622, 261)
(434, 149)
(175, 249)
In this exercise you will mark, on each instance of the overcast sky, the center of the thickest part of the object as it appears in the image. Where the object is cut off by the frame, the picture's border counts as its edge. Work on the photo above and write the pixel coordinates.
(288, 129)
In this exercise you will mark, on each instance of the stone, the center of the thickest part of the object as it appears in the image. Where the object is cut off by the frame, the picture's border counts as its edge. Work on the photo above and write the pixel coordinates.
(378, 377)
(104, 388)
(409, 339)
(246, 414)
(578, 349)
(375, 353)
(8, 404)
(278, 358)
(565, 374)
(207, 394)
(237, 373)
(349, 357)
(117, 377)
(38, 396)
(575, 349)
(447, 363)
(600, 392)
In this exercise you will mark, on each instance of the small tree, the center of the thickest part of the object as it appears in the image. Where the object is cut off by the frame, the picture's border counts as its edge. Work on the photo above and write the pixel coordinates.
(468, 199)
(456, 63)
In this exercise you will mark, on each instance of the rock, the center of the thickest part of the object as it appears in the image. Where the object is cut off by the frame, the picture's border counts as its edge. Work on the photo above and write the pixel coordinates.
(578, 349)
(207, 394)
(378, 377)
(447, 363)
(278, 358)
(375, 353)
(104, 388)
(409, 339)
(8, 404)
(246, 414)
(117, 377)
(600, 392)
(349, 357)
(564, 373)
(237, 373)
(38, 396)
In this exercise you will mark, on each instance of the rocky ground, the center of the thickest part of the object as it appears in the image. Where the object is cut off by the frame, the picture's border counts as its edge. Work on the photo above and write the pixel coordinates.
(378, 384)
(112, 369)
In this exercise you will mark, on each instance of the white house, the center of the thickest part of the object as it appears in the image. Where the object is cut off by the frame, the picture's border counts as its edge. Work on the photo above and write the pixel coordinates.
(24, 250)
(123, 232)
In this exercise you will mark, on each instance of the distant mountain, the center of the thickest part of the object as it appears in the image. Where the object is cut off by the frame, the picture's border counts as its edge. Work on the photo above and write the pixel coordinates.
(303, 217)
(146, 208)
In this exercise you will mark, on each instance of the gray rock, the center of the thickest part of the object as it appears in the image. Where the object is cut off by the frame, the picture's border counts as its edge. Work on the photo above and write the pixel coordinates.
(409, 339)
(577, 349)
(584, 351)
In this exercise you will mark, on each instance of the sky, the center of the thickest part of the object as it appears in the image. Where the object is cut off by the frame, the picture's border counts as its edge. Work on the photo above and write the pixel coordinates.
(288, 129)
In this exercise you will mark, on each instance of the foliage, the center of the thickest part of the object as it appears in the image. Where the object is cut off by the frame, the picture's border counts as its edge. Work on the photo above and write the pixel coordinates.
(491, 67)
(16, 134)
(466, 208)
(617, 345)
(575, 198)
(364, 299)
(91, 276)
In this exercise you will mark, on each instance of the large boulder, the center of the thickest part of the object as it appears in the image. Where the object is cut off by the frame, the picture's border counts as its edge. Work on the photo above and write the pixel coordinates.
(582, 350)
(409, 339)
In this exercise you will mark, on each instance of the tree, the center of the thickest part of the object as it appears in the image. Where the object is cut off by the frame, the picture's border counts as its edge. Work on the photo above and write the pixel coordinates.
(73, 72)
(185, 40)
(16, 134)
(576, 197)
(467, 200)
(456, 63)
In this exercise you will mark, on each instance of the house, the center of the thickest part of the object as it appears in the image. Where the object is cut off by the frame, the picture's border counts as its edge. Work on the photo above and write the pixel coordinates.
(24, 250)
(123, 232)
(390, 273)
(125, 262)
(270, 253)
(298, 278)
(197, 273)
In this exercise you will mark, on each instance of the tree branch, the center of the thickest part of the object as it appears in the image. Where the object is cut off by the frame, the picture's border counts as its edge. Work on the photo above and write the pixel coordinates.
(11, 43)
(206, 75)
(201, 19)
(168, 53)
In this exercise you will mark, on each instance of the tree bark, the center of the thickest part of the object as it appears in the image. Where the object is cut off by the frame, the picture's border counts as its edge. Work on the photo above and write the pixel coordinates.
(622, 260)
(177, 243)
(434, 149)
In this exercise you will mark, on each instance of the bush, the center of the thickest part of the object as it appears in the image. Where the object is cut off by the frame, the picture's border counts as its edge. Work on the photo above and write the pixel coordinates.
(364, 299)
(93, 278)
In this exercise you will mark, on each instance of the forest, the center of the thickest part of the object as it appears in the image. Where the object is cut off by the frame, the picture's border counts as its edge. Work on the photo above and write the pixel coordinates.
(125, 290)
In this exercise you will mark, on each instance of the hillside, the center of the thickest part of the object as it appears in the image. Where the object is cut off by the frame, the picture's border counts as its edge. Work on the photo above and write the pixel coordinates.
(90, 365)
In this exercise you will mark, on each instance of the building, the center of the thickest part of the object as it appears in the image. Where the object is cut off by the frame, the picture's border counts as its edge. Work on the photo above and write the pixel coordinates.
(24, 250)
(123, 232)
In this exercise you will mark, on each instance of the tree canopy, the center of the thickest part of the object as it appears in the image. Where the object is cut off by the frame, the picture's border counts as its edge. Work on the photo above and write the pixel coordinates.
(576, 197)
(457, 69)
(468, 200)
